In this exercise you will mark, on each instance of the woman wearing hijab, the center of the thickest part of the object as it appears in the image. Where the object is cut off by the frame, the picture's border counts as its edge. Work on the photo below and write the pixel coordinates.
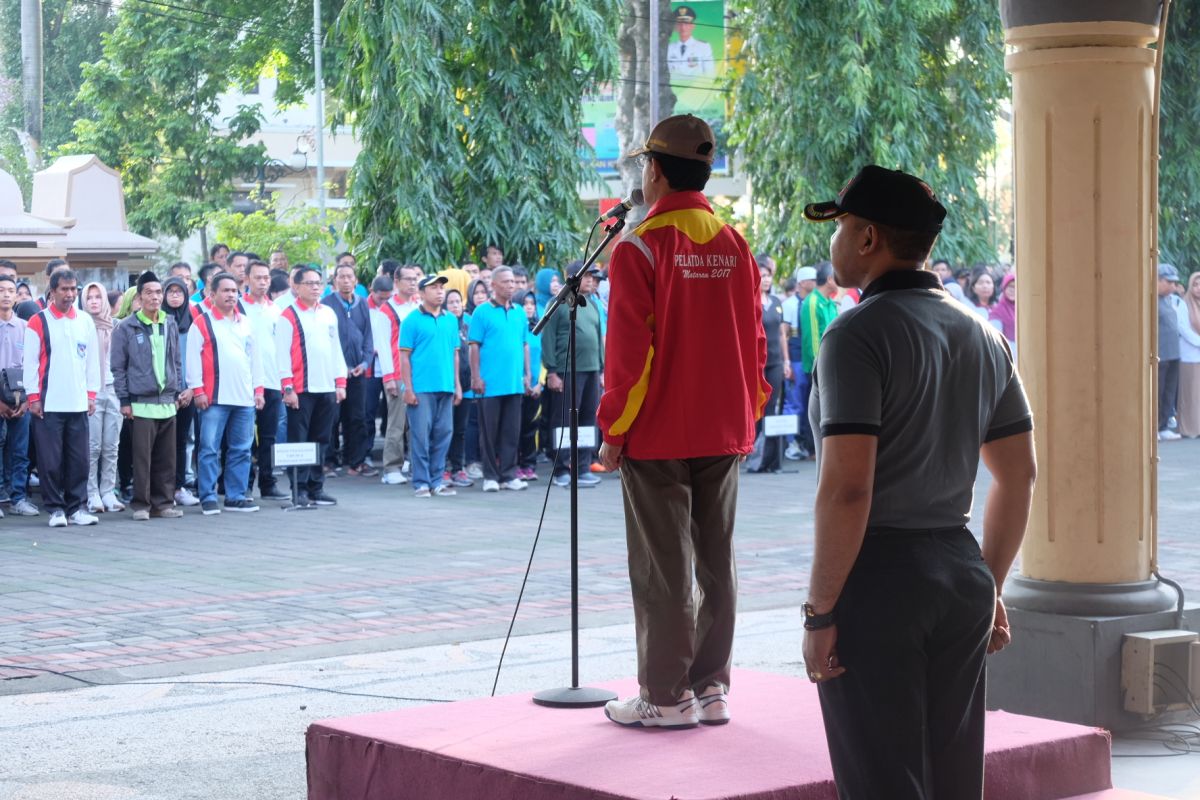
(1188, 412)
(1005, 310)
(129, 303)
(105, 424)
(548, 283)
(178, 306)
(477, 295)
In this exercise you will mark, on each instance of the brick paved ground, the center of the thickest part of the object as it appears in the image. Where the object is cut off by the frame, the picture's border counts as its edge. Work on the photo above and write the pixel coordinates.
(385, 571)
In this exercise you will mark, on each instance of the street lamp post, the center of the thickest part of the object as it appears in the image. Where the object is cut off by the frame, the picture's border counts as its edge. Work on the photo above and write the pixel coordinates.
(319, 88)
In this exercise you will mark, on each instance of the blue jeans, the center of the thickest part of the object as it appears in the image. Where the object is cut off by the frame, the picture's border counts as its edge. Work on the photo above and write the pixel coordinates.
(16, 456)
(430, 425)
(213, 421)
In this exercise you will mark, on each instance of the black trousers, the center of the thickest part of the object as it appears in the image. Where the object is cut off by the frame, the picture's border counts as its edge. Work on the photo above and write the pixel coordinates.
(587, 395)
(772, 451)
(1168, 391)
(153, 445)
(351, 415)
(266, 421)
(531, 422)
(499, 431)
(64, 450)
(312, 422)
(905, 721)
(456, 458)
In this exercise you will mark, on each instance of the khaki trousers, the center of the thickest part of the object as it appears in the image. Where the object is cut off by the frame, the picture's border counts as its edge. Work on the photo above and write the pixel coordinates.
(396, 437)
(679, 517)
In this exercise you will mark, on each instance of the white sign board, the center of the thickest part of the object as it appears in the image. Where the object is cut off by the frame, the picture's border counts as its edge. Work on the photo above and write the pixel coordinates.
(781, 425)
(296, 454)
(587, 437)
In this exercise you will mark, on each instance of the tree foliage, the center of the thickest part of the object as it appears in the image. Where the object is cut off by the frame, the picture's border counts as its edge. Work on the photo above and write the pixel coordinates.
(154, 98)
(296, 231)
(831, 87)
(1179, 164)
(468, 113)
(72, 32)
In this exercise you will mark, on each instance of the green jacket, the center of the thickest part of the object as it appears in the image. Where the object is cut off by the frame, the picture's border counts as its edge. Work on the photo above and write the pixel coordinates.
(589, 347)
(816, 312)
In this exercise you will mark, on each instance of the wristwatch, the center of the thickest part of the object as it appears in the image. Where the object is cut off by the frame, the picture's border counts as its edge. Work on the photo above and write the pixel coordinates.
(814, 621)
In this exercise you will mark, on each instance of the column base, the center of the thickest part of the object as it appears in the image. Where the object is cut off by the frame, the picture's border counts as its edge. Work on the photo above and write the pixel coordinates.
(1089, 599)
(1067, 667)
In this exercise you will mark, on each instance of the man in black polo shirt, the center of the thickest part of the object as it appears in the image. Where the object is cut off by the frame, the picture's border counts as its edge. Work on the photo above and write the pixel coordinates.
(910, 389)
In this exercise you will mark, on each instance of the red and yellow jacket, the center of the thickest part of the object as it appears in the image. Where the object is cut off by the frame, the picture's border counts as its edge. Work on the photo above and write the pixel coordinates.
(685, 348)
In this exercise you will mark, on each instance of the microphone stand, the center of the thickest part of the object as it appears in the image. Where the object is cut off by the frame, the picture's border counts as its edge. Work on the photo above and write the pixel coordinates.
(575, 696)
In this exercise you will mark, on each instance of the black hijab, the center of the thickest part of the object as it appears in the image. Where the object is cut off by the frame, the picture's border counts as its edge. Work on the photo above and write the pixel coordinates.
(183, 314)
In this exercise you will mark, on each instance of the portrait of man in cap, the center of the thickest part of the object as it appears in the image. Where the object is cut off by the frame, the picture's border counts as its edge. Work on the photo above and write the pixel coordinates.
(687, 55)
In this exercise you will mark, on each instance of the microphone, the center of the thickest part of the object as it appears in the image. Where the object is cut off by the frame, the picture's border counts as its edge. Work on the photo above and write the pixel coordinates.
(636, 198)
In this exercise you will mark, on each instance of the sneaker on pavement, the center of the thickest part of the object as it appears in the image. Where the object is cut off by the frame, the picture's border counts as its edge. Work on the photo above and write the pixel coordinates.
(589, 479)
(167, 513)
(111, 503)
(714, 705)
(82, 517)
(322, 498)
(274, 493)
(491, 486)
(210, 507)
(474, 470)
(422, 491)
(515, 485)
(58, 519)
(792, 453)
(1168, 436)
(34, 481)
(24, 508)
(461, 479)
(245, 505)
(184, 497)
(563, 480)
(95, 504)
(393, 478)
(638, 713)
(141, 515)
(406, 468)
(444, 491)
(303, 500)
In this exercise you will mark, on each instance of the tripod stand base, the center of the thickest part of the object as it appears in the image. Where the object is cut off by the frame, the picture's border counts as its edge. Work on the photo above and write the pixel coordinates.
(578, 697)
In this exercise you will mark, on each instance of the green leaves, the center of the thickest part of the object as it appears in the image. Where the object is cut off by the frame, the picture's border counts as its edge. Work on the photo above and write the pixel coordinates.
(1179, 164)
(828, 88)
(470, 128)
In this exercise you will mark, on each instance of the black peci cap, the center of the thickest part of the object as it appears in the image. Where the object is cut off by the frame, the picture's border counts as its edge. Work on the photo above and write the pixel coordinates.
(887, 196)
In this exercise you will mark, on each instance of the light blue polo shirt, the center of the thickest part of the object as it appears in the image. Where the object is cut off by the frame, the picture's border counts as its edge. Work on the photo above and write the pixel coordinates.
(432, 342)
(501, 336)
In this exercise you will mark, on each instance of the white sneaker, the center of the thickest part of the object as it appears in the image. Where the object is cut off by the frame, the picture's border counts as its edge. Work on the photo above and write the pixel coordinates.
(406, 468)
(24, 508)
(714, 705)
(474, 470)
(792, 453)
(393, 478)
(515, 485)
(95, 504)
(1168, 436)
(58, 519)
(34, 481)
(111, 503)
(491, 486)
(638, 713)
(81, 517)
(184, 497)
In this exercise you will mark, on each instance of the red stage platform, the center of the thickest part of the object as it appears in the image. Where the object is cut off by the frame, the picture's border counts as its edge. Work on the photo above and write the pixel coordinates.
(508, 747)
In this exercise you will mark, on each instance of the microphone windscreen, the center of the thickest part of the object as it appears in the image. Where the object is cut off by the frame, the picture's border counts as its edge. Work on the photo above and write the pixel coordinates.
(637, 197)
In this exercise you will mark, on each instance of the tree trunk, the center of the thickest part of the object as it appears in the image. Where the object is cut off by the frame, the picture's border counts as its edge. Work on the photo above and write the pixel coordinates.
(633, 88)
(31, 67)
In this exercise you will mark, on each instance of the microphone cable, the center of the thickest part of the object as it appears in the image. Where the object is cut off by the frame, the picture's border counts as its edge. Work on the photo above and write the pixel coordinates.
(545, 500)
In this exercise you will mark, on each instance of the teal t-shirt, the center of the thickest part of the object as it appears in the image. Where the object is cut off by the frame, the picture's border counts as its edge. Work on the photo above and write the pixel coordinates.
(501, 334)
(432, 342)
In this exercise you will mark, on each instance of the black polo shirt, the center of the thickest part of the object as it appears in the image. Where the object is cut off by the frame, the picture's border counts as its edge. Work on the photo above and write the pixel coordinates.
(933, 381)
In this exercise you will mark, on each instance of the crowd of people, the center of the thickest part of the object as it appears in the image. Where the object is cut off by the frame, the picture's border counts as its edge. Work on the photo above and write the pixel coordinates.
(174, 392)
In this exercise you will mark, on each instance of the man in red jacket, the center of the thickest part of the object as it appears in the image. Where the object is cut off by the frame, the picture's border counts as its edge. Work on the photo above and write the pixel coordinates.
(684, 385)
